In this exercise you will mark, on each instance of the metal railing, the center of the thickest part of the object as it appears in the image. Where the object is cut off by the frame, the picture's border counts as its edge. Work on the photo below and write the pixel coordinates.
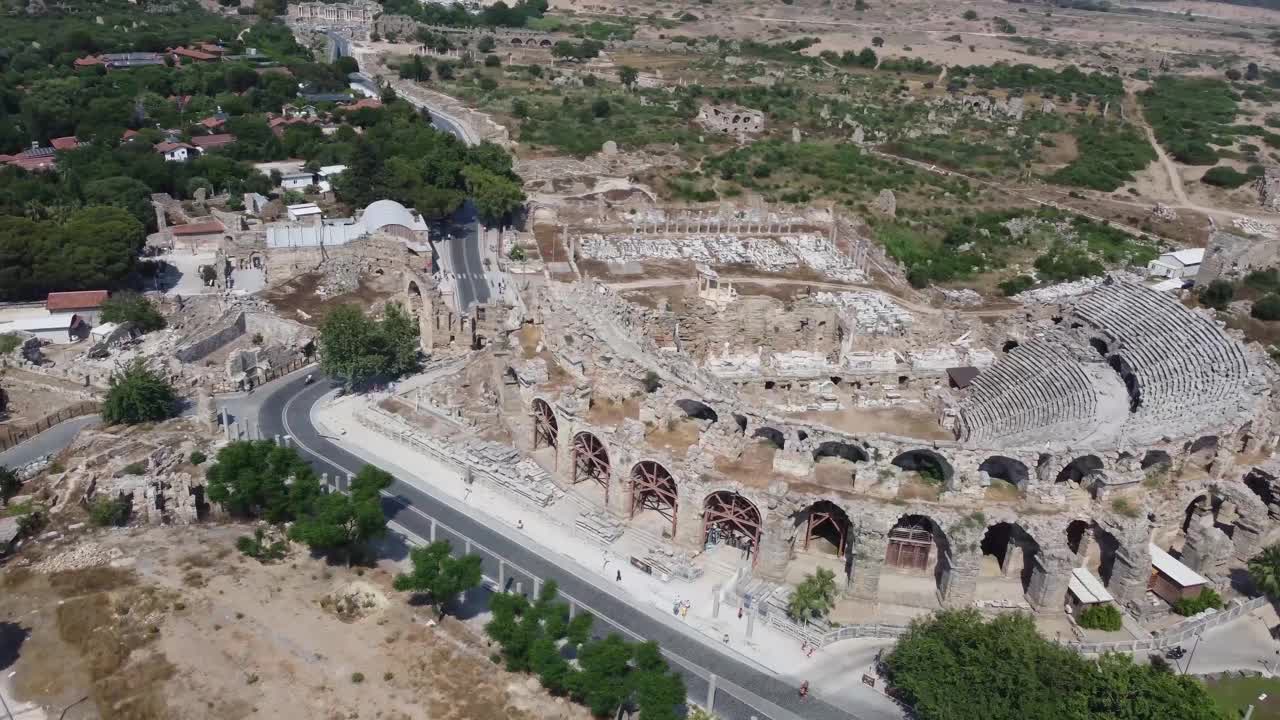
(11, 436)
(1176, 635)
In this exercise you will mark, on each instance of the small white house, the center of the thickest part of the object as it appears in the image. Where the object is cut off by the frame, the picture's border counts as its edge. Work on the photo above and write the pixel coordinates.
(297, 180)
(176, 152)
(304, 212)
(57, 328)
(1178, 264)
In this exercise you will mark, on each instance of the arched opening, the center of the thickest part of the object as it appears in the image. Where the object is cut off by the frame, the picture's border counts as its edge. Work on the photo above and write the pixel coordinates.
(911, 546)
(1100, 557)
(826, 528)
(1156, 459)
(1208, 510)
(545, 43)
(774, 437)
(1078, 537)
(653, 488)
(1201, 451)
(516, 41)
(1099, 346)
(590, 461)
(413, 288)
(732, 520)
(1008, 551)
(698, 410)
(1079, 469)
(1006, 469)
(932, 467)
(1009, 345)
(1262, 484)
(838, 449)
(546, 430)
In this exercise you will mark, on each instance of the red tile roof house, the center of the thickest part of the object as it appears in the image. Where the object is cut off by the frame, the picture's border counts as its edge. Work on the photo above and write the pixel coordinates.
(205, 143)
(213, 122)
(88, 61)
(69, 142)
(201, 236)
(175, 151)
(84, 303)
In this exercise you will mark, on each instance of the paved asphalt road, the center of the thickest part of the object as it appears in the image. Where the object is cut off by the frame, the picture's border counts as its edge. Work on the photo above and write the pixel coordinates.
(287, 412)
(48, 442)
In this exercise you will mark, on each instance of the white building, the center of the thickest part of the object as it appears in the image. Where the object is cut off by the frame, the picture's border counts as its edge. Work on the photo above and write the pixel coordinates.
(304, 212)
(176, 152)
(57, 328)
(1178, 264)
(297, 180)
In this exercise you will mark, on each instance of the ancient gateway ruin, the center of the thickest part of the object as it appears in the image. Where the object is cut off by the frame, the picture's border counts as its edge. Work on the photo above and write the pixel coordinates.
(929, 459)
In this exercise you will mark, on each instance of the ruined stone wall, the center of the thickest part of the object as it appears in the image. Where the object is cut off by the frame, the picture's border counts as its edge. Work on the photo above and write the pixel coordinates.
(756, 321)
(196, 348)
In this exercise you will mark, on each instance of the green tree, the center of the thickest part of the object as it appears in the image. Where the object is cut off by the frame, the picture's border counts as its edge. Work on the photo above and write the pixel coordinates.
(495, 196)
(970, 15)
(955, 665)
(1217, 295)
(813, 597)
(1267, 308)
(138, 394)
(400, 332)
(351, 348)
(1264, 571)
(439, 575)
(123, 192)
(628, 76)
(258, 479)
(344, 523)
(96, 248)
(10, 484)
(877, 41)
(131, 307)
(486, 44)
(1101, 617)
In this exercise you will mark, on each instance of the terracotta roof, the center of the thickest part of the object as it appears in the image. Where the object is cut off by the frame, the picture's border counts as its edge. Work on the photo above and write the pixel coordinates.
(364, 103)
(69, 142)
(210, 47)
(129, 134)
(88, 61)
(80, 300)
(193, 54)
(205, 142)
(203, 228)
(165, 147)
(213, 122)
(34, 163)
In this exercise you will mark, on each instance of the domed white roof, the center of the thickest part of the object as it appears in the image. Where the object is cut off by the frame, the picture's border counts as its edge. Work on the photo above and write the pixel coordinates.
(382, 213)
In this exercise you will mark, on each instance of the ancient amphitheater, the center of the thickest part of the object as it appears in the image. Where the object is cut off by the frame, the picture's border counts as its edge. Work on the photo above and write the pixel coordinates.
(931, 459)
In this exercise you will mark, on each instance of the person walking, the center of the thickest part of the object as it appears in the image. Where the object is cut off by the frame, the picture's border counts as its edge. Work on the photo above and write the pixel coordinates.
(619, 577)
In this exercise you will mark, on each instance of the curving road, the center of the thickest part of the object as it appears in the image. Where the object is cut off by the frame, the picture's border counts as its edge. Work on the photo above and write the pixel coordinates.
(287, 411)
(49, 442)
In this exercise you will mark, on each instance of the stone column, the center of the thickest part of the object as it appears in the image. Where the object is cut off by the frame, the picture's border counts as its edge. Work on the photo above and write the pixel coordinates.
(688, 522)
(868, 560)
(1207, 550)
(958, 583)
(1050, 574)
(774, 549)
(1247, 538)
(1130, 573)
(619, 486)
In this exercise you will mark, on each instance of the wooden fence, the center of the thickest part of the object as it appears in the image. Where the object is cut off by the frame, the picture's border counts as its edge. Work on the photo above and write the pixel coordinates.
(13, 435)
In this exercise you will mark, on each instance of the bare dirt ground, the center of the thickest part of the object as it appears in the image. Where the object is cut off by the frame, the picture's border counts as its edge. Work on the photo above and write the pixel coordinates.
(297, 298)
(33, 396)
(186, 627)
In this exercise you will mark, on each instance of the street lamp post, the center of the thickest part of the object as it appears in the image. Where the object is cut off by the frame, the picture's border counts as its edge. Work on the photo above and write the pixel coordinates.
(1187, 666)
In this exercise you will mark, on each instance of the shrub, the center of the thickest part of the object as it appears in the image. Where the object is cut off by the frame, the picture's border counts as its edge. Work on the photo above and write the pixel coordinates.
(134, 308)
(492, 61)
(1266, 281)
(1124, 507)
(1016, 284)
(108, 511)
(970, 15)
(1208, 598)
(1268, 308)
(135, 468)
(1217, 295)
(197, 457)
(138, 395)
(651, 381)
(1101, 617)
(1224, 176)
(8, 343)
(357, 677)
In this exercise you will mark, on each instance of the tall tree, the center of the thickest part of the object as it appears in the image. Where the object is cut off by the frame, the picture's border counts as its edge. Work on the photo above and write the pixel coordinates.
(258, 479)
(344, 523)
(439, 575)
(10, 484)
(351, 347)
(138, 394)
(131, 307)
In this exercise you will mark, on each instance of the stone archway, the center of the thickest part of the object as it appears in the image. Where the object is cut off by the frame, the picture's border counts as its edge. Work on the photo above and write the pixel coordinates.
(1004, 468)
(1078, 537)
(836, 463)
(771, 435)
(1014, 551)
(698, 410)
(917, 545)
(1077, 470)
(931, 466)
(730, 518)
(1156, 459)
(591, 462)
(826, 525)
(654, 488)
(546, 429)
